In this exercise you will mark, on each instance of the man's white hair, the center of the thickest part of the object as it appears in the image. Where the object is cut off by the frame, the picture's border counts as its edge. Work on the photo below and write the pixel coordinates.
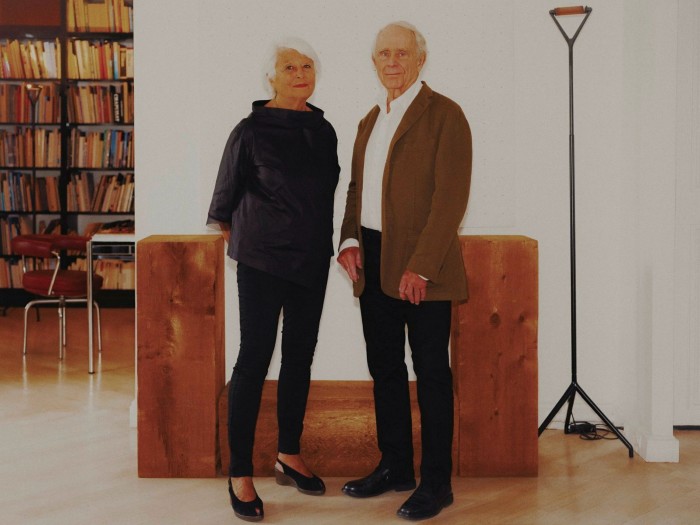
(296, 44)
(421, 44)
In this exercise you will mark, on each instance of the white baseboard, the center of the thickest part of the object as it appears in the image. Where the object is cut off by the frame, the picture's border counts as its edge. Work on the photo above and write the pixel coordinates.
(654, 449)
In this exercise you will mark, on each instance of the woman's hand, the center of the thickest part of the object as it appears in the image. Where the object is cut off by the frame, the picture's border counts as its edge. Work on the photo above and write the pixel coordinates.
(226, 231)
(350, 260)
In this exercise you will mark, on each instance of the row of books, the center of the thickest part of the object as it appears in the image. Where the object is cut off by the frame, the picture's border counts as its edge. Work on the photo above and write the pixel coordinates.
(101, 104)
(15, 105)
(32, 59)
(111, 148)
(46, 194)
(118, 226)
(16, 193)
(16, 147)
(10, 274)
(10, 227)
(86, 104)
(112, 193)
(100, 60)
(116, 275)
(101, 15)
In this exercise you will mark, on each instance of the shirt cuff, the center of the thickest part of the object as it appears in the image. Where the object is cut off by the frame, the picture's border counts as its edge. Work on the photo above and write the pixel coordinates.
(349, 243)
(354, 243)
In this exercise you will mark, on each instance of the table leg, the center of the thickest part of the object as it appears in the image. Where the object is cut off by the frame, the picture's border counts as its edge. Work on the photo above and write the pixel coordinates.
(91, 365)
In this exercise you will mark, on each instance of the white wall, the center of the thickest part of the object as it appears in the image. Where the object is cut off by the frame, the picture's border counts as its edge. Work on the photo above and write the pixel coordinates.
(505, 63)
(651, 83)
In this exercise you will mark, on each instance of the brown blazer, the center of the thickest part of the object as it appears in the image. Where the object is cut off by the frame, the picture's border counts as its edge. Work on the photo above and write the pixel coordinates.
(424, 196)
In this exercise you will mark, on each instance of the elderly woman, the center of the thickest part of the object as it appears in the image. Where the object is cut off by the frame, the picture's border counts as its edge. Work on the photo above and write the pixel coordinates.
(273, 200)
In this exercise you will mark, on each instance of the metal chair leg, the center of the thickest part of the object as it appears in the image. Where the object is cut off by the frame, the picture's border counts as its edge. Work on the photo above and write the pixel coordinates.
(62, 322)
(27, 307)
(26, 311)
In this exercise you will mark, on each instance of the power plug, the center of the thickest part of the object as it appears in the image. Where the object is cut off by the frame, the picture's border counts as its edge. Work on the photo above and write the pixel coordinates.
(583, 427)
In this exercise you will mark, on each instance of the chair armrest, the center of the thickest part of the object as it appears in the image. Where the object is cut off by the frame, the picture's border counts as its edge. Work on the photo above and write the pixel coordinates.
(70, 242)
(33, 245)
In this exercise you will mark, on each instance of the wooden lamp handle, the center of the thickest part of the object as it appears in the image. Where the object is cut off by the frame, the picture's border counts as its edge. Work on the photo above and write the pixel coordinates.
(573, 10)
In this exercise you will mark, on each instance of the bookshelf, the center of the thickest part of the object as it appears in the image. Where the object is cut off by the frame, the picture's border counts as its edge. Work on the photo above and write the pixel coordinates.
(67, 160)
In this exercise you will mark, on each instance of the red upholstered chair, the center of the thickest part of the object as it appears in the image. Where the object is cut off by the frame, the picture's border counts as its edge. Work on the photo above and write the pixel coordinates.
(56, 285)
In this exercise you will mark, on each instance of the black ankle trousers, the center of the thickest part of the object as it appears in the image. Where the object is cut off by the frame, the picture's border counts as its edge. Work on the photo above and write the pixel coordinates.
(262, 297)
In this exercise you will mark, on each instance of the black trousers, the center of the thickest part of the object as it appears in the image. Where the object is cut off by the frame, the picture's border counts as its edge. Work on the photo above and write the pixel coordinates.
(262, 297)
(384, 321)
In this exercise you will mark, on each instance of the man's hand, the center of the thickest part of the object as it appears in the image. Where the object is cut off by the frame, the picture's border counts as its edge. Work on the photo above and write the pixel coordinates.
(350, 260)
(412, 287)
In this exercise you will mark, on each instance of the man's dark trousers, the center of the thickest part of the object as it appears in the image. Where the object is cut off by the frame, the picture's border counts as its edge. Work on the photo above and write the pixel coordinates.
(384, 321)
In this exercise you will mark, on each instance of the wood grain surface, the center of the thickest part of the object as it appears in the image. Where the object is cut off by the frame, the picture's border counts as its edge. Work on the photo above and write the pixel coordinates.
(494, 357)
(180, 353)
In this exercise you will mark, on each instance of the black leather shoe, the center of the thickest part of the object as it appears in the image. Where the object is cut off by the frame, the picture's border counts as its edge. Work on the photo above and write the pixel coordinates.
(246, 510)
(426, 502)
(378, 482)
(288, 476)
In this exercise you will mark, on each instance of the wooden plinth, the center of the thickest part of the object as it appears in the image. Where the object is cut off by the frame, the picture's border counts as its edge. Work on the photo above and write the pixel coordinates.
(339, 436)
(494, 357)
(180, 345)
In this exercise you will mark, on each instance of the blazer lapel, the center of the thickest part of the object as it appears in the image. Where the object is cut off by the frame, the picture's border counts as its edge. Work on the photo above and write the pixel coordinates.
(363, 136)
(414, 111)
(361, 145)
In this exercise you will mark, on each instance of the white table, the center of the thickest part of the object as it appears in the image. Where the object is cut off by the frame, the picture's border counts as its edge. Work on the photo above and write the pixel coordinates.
(120, 246)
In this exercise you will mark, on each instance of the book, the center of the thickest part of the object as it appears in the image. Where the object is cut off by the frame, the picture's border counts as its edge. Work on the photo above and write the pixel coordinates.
(117, 114)
(97, 16)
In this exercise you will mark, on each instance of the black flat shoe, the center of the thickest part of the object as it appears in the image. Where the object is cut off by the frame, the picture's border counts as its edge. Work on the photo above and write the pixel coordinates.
(246, 510)
(426, 502)
(378, 482)
(288, 476)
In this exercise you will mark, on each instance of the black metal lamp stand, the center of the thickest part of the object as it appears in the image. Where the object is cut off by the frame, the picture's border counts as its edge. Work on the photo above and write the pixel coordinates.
(33, 92)
(574, 388)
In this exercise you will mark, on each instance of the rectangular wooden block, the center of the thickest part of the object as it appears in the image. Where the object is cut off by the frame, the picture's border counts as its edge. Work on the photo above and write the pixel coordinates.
(494, 357)
(180, 353)
(339, 438)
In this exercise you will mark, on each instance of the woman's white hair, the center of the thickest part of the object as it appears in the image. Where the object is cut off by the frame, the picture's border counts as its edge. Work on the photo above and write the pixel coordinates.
(297, 44)
(421, 44)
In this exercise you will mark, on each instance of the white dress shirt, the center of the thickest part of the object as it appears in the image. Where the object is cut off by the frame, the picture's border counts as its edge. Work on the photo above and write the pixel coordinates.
(376, 156)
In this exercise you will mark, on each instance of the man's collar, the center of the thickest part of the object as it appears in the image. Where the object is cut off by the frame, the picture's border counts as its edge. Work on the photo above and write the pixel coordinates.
(401, 102)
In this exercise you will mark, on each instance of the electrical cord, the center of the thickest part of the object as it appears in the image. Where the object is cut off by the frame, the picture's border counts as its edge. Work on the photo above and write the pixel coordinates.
(589, 431)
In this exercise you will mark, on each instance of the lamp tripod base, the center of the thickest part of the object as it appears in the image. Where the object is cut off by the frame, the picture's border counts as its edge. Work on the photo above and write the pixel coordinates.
(569, 396)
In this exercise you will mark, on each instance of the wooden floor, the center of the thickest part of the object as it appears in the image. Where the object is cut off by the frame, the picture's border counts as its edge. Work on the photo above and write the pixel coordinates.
(68, 456)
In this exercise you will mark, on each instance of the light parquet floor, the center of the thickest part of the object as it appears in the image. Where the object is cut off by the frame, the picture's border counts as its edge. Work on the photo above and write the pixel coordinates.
(68, 456)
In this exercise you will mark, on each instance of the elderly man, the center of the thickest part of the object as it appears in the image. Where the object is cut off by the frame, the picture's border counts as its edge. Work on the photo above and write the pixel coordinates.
(411, 170)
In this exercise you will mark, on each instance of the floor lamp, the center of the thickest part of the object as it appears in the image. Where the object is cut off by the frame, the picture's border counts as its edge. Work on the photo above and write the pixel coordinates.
(574, 388)
(33, 92)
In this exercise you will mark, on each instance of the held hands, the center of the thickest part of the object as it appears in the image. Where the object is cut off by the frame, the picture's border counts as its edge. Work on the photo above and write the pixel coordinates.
(226, 231)
(350, 260)
(412, 287)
